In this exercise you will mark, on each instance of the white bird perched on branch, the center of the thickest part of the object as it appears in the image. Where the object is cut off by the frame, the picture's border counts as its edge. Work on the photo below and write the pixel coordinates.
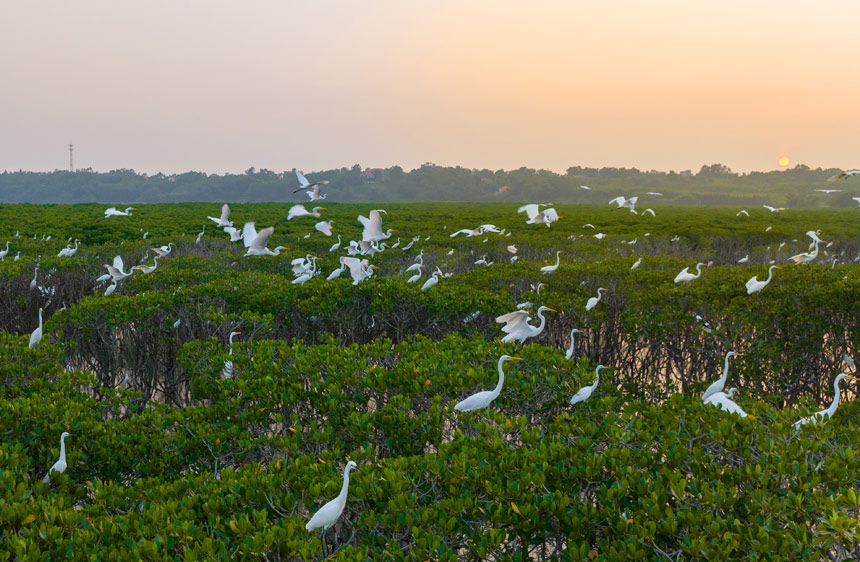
(225, 215)
(586, 391)
(723, 401)
(431, 282)
(536, 216)
(754, 285)
(830, 410)
(165, 250)
(636, 264)
(720, 384)
(373, 226)
(517, 327)
(686, 276)
(592, 302)
(483, 399)
(569, 352)
(113, 212)
(259, 240)
(36, 336)
(313, 189)
(328, 514)
(227, 372)
(552, 268)
(60, 465)
(68, 251)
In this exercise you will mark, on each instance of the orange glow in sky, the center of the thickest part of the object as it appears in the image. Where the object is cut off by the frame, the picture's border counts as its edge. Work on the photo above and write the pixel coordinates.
(221, 86)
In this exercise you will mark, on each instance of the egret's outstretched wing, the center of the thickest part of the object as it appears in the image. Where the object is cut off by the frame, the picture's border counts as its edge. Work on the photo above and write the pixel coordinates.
(513, 320)
(225, 213)
(297, 211)
(261, 239)
(531, 210)
(465, 231)
(618, 201)
(550, 215)
(249, 233)
(302, 179)
(117, 263)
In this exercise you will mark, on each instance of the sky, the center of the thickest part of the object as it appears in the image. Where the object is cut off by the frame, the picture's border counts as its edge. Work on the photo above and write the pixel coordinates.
(215, 86)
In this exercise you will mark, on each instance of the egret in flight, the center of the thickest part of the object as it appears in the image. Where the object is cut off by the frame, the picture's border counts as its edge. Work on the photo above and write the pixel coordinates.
(829, 411)
(259, 240)
(300, 211)
(60, 465)
(482, 399)
(516, 324)
(373, 226)
(585, 392)
(845, 175)
(225, 215)
(113, 212)
(536, 216)
(312, 189)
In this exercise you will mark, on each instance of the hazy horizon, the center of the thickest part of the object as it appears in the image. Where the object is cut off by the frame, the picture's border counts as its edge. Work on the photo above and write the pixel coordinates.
(218, 87)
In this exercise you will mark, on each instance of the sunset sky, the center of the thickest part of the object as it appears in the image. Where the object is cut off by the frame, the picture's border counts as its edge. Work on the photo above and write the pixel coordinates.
(216, 86)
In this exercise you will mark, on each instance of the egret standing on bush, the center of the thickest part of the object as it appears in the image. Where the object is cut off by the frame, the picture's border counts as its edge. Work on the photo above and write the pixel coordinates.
(586, 391)
(482, 399)
(328, 514)
(517, 327)
(60, 465)
(720, 384)
(36, 336)
(829, 411)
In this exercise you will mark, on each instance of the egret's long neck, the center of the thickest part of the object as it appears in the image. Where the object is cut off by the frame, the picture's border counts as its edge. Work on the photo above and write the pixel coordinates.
(725, 371)
(557, 258)
(498, 389)
(40, 317)
(832, 409)
(539, 329)
(698, 270)
(769, 274)
(596, 379)
(342, 496)
(63, 448)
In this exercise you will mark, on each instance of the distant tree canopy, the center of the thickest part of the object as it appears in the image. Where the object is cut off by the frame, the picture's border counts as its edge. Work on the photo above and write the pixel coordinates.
(713, 184)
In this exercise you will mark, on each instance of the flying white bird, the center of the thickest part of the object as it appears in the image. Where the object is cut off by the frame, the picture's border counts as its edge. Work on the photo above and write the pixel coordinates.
(373, 226)
(60, 465)
(686, 276)
(624, 203)
(592, 302)
(328, 514)
(655, 193)
(116, 270)
(235, 234)
(359, 270)
(649, 210)
(300, 211)
(829, 411)
(755, 286)
(536, 216)
(483, 399)
(829, 191)
(742, 212)
(313, 189)
(773, 209)
(586, 391)
(517, 327)
(585, 187)
(258, 243)
(844, 175)
(113, 212)
(225, 215)
(165, 250)
(324, 227)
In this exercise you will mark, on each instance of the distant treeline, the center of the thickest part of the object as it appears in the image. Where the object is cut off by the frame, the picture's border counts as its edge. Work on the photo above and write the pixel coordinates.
(711, 185)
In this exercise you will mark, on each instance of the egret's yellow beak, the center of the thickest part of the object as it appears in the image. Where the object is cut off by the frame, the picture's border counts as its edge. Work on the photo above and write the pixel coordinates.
(517, 359)
(551, 309)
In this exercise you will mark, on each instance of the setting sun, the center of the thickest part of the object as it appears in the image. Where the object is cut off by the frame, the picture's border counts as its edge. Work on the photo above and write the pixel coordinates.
(784, 161)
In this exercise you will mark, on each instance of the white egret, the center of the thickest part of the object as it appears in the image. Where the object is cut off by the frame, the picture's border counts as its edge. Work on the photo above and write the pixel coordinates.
(324, 227)
(111, 288)
(844, 175)
(624, 203)
(147, 269)
(113, 212)
(512, 249)
(655, 193)
(430, 282)
(744, 259)
(307, 274)
(636, 264)
(483, 261)
(724, 401)
(848, 361)
(165, 250)
(415, 277)
(36, 336)
(68, 251)
(223, 220)
(742, 212)
(116, 270)
(328, 514)
(482, 399)
(336, 246)
(300, 211)
(312, 189)
(235, 233)
(592, 302)
(773, 209)
(4, 252)
(258, 245)
(829, 191)
(227, 372)
(719, 385)
(829, 411)
(359, 270)
(754, 285)
(551, 268)
(373, 226)
(585, 392)
(33, 282)
(686, 276)
(337, 272)
(600, 236)
(200, 236)
(806, 257)
(536, 216)
(649, 211)
(516, 325)
(585, 187)
(60, 465)
(18, 255)
(569, 353)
